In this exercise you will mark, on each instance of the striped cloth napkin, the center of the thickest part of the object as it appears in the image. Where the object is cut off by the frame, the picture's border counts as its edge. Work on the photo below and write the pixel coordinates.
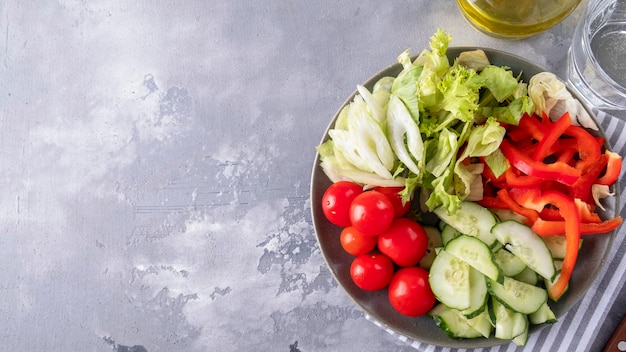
(590, 323)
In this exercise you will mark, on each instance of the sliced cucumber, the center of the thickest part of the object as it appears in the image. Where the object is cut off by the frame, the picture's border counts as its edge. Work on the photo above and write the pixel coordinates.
(437, 309)
(557, 264)
(447, 233)
(507, 214)
(556, 245)
(520, 240)
(543, 315)
(454, 324)
(434, 241)
(528, 276)
(508, 324)
(482, 323)
(478, 294)
(477, 254)
(471, 219)
(449, 280)
(518, 296)
(510, 264)
(521, 339)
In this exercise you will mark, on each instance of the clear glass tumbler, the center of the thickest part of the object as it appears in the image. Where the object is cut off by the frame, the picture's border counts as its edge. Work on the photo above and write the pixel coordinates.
(515, 19)
(597, 56)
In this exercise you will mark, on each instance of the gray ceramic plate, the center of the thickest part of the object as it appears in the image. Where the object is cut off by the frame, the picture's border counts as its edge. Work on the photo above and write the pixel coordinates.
(376, 305)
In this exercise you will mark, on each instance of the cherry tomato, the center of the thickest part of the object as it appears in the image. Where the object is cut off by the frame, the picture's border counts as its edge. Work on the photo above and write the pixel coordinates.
(355, 242)
(405, 242)
(371, 271)
(409, 292)
(371, 212)
(336, 202)
(399, 208)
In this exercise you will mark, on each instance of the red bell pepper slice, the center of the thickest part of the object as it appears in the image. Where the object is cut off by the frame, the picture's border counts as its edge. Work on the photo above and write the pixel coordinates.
(532, 126)
(613, 169)
(529, 214)
(492, 203)
(557, 227)
(588, 148)
(566, 154)
(551, 136)
(585, 210)
(556, 171)
(529, 197)
(581, 189)
(568, 211)
(514, 180)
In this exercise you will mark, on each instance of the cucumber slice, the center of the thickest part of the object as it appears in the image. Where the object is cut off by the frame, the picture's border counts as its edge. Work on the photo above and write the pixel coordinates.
(482, 323)
(557, 264)
(508, 324)
(510, 264)
(437, 309)
(518, 296)
(471, 219)
(528, 276)
(434, 241)
(447, 233)
(475, 253)
(449, 280)
(521, 339)
(520, 240)
(543, 315)
(507, 214)
(556, 245)
(454, 324)
(478, 294)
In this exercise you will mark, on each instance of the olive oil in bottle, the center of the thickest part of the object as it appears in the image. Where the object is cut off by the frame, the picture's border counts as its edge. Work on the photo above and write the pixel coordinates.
(515, 19)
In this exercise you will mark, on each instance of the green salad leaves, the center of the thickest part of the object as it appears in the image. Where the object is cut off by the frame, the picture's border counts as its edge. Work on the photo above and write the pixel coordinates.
(417, 130)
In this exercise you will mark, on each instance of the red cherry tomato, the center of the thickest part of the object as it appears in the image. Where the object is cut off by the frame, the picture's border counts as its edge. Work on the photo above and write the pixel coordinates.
(336, 202)
(371, 212)
(400, 209)
(405, 242)
(355, 242)
(371, 271)
(409, 292)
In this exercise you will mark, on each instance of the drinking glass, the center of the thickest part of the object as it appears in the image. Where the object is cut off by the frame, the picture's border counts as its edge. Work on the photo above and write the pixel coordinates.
(597, 57)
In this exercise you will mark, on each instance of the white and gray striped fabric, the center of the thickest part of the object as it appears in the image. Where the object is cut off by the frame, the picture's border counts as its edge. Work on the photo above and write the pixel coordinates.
(590, 323)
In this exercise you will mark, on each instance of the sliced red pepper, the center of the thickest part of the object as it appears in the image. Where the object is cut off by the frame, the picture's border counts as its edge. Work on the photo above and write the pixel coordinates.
(566, 153)
(528, 197)
(551, 136)
(552, 228)
(557, 171)
(514, 180)
(568, 211)
(492, 203)
(529, 214)
(585, 210)
(613, 169)
(532, 126)
(581, 189)
(588, 148)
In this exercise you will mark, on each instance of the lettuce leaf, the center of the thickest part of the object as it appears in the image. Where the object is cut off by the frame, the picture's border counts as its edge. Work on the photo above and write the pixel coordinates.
(419, 129)
(499, 81)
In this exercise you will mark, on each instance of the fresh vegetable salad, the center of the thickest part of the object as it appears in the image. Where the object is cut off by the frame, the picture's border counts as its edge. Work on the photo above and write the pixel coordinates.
(509, 169)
